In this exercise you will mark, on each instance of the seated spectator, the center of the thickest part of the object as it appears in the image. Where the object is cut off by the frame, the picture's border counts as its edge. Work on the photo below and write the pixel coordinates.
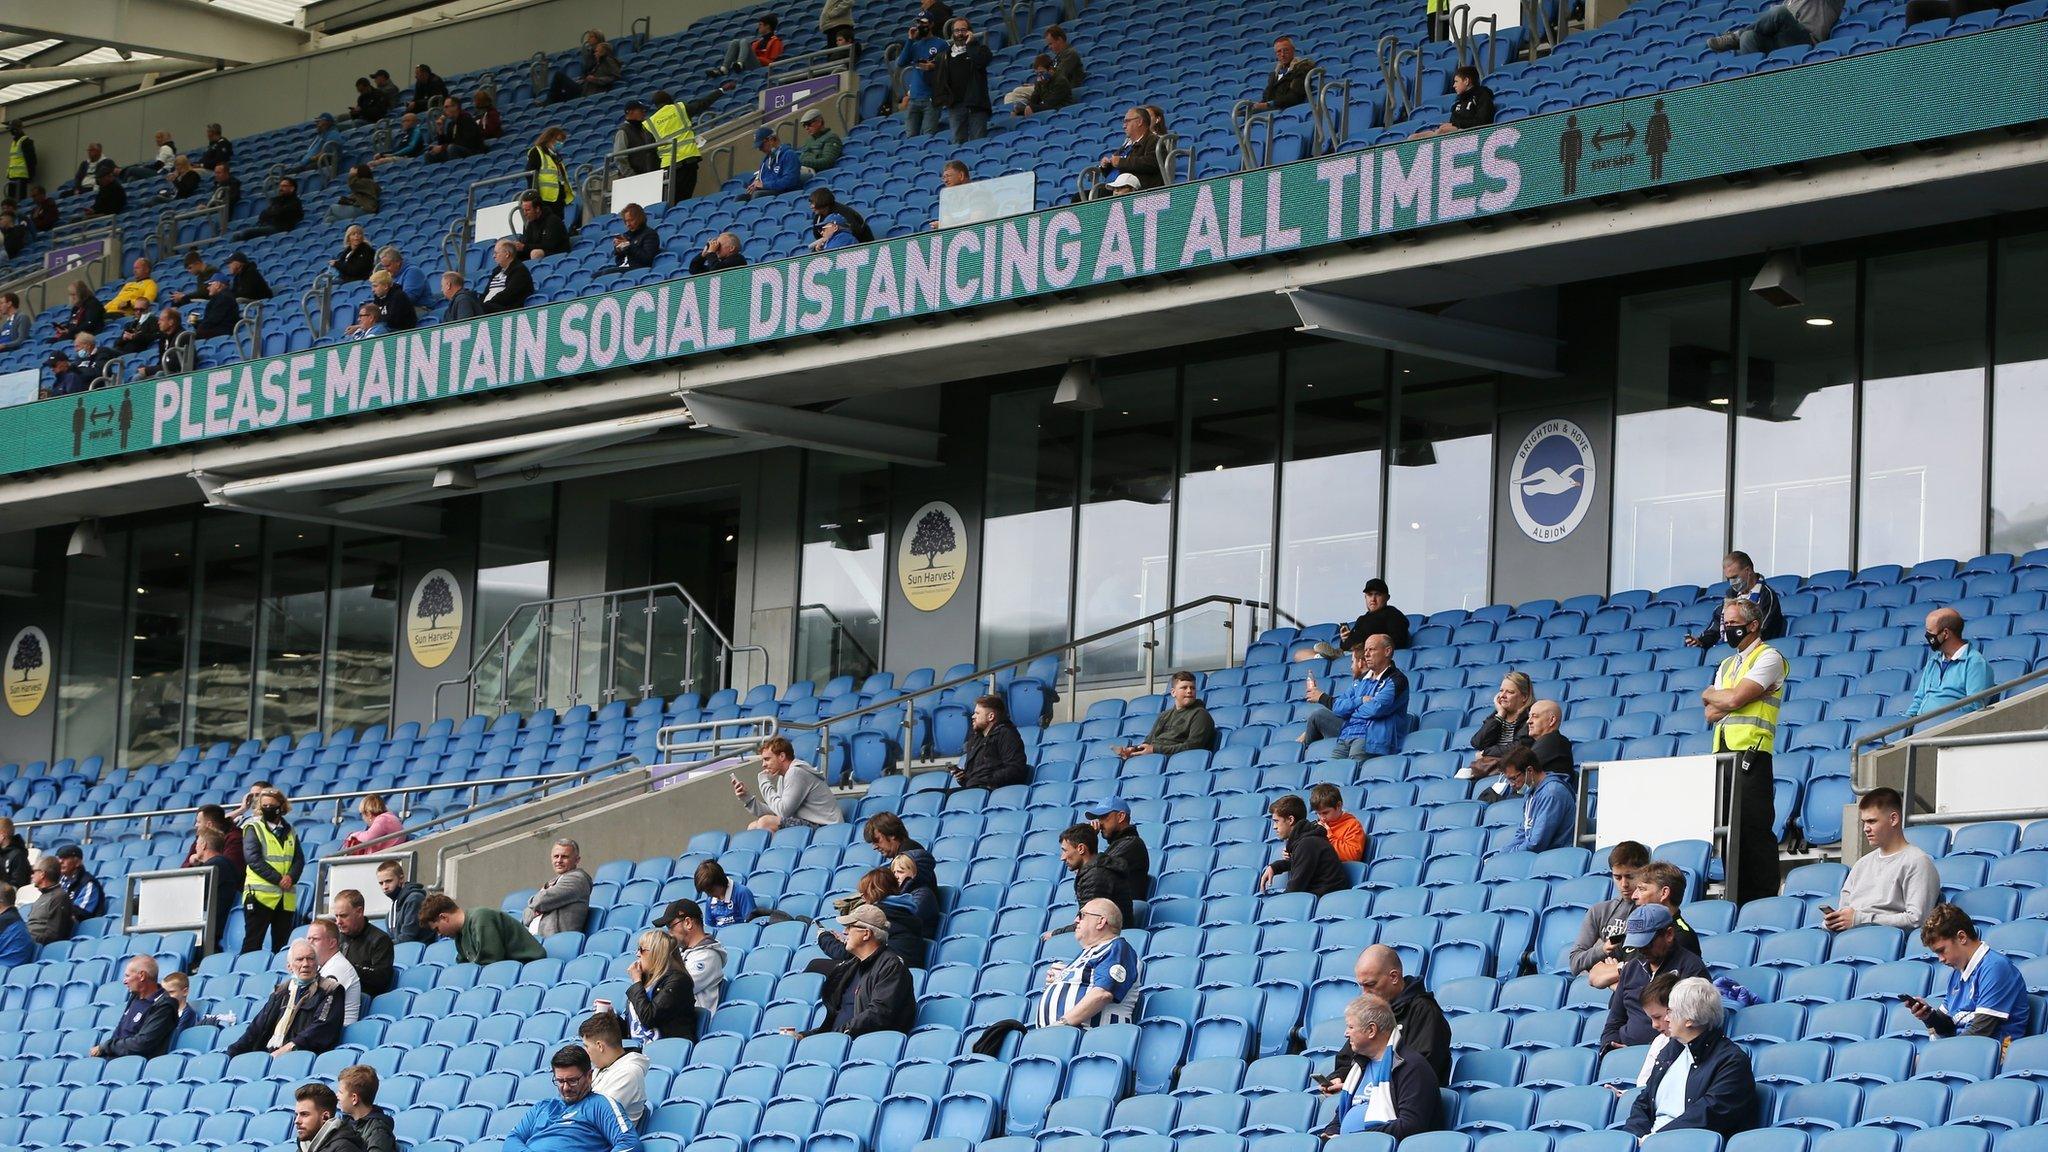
(409, 144)
(703, 955)
(952, 175)
(381, 831)
(821, 147)
(355, 1094)
(563, 86)
(835, 225)
(1185, 727)
(1549, 810)
(1505, 728)
(140, 286)
(1601, 932)
(1789, 25)
(88, 315)
(358, 256)
(1346, 834)
(367, 947)
(604, 71)
(281, 213)
(633, 143)
(369, 323)
(87, 898)
(428, 90)
(87, 173)
(552, 187)
(1740, 572)
(781, 167)
(138, 334)
(1702, 1079)
(1380, 618)
(1552, 748)
(456, 135)
(109, 198)
(1048, 89)
(510, 285)
(1122, 847)
(993, 754)
(661, 1001)
(1420, 1018)
(885, 833)
(394, 308)
(167, 358)
(227, 188)
(16, 946)
(318, 1123)
(408, 277)
(1370, 717)
(843, 39)
(1986, 994)
(637, 246)
(1473, 107)
(619, 1075)
(563, 903)
(183, 178)
(66, 379)
(303, 1014)
(370, 104)
(1955, 671)
(164, 151)
(91, 358)
(219, 149)
(325, 937)
(1918, 10)
(836, 16)
(49, 915)
(1287, 84)
(381, 81)
(362, 198)
(916, 891)
(1093, 880)
(579, 1120)
(878, 888)
(488, 120)
(463, 302)
(327, 145)
(1662, 883)
(482, 935)
(1134, 165)
(12, 327)
(13, 234)
(960, 80)
(13, 854)
(792, 794)
(1390, 1088)
(1306, 857)
(1895, 883)
(726, 900)
(764, 49)
(870, 990)
(1100, 986)
(178, 987)
(45, 213)
(1653, 943)
(201, 272)
(245, 279)
(403, 922)
(719, 253)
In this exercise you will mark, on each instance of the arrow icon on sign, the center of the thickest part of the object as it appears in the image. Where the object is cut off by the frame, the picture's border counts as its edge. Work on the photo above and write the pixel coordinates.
(1602, 137)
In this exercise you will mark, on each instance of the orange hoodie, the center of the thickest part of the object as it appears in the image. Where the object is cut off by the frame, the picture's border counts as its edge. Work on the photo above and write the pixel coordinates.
(1347, 836)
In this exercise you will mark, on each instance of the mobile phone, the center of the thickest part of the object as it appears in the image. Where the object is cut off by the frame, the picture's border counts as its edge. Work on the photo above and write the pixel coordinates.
(1827, 910)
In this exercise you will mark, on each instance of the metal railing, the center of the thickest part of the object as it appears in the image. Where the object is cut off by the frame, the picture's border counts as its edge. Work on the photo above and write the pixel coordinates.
(32, 285)
(1968, 703)
(842, 634)
(316, 304)
(1980, 740)
(1465, 28)
(1724, 834)
(465, 227)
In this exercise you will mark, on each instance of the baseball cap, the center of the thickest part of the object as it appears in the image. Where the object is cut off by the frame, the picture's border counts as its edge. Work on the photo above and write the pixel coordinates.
(869, 917)
(324, 118)
(71, 852)
(1644, 923)
(813, 114)
(220, 280)
(1376, 587)
(680, 910)
(763, 135)
(635, 106)
(921, 22)
(1105, 806)
(60, 356)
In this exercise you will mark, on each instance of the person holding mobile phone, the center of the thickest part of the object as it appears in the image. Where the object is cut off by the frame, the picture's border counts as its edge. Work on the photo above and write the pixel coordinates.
(1987, 996)
(1895, 883)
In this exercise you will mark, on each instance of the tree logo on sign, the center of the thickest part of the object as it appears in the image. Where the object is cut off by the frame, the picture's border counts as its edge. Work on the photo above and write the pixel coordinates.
(434, 618)
(29, 655)
(931, 561)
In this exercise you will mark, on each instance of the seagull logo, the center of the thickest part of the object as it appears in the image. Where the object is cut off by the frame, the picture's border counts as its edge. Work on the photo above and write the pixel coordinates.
(1551, 482)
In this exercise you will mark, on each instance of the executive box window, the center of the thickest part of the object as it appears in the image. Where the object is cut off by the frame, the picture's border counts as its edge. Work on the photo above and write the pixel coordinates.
(1793, 433)
(1230, 432)
(1126, 524)
(1440, 488)
(1675, 382)
(1330, 485)
(2019, 400)
(845, 566)
(1027, 530)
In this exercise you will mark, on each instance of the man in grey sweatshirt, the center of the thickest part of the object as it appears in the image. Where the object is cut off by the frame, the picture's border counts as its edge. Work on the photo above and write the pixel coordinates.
(1791, 24)
(793, 795)
(1896, 883)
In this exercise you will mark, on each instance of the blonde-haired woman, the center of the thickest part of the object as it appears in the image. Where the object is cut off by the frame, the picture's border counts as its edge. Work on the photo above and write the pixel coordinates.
(381, 830)
(661, 1003)
(1508, 725)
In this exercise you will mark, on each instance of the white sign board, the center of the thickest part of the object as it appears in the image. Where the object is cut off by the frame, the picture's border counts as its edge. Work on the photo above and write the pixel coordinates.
(170, 902)
(1655, 801)
(991, 199)
(496, 221)
(19, 387)
(1990, 777)
(646, 188)
(359, 873)
(1509, 11)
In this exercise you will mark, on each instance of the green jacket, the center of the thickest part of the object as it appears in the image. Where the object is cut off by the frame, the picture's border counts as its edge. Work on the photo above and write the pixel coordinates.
(821, 151)
(489, 936)
(1180, 729)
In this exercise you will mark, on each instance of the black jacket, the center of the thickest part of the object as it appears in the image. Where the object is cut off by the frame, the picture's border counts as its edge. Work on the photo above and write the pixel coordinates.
(636, 134)
(1286, 89)
(1474, 109)
(1424, 1030)
(355, 263)
(1311, 864)
(428, 93)
(882, 1000)
(221, 151)
(463, 305)
(642, 246)
(907, 937)
(375, 1131)
(109, 199)
(700, 263)
(397, 310)
(994, 759)
(1627, 1024)
(961, 80)
(219, 316)
(671, 1009)
(14, 862)
(318, 1025)
(283, 212)
(545, 232)
(1125, 851)
(372, 955)
(87, 316)
(250, 285)
(1390, 622)
(339, 1135)
(463, 130)
(1769, 613)
(1720, 1091)
(405, 915)
(1495, 738)
(515, 285)
(1418, 1107)
(1096, 880)
(849, 219)
(145, 1028)
(1140, 158)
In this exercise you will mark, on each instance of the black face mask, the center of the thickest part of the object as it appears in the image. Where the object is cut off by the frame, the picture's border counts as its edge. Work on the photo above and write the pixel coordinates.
(272, 812)
(1933, 640)
(1733, 634)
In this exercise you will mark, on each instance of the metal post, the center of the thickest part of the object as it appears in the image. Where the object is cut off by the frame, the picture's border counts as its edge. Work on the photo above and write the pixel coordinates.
(545, 618)
(647, 653)
(611, 648)
(1230, 636)
(1731, 819)
(576, 656)
(690, 653)
(1151, 645)
(909, 729)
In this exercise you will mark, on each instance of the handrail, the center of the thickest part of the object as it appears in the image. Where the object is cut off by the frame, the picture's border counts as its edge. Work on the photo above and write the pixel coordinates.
(839, 628)
(1857, 744)
(320, 322)
(1975, 740)
(468, 222)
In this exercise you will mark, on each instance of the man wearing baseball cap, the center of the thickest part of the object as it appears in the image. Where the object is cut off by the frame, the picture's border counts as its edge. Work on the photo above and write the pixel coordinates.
(782, 170)
(870, 990)
(88, 899)
(1653, 948)
(920, 53)
(1379, 619)
(1122, 848)
(821, 147)
(703, 955)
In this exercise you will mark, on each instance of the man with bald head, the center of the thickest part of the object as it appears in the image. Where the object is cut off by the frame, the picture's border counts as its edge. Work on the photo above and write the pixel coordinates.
(1369, 717)
(1423, 1026)
(1955, 671)
(1100, 986)
(147, 1021)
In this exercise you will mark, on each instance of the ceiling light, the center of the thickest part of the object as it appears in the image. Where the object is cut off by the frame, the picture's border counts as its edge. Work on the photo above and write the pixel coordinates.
(1820, 322)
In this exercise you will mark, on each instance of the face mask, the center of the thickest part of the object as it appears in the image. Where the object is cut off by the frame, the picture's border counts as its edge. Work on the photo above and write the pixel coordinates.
(1737, 586)
(1733, 634)
(272, 812)
(1933, 640)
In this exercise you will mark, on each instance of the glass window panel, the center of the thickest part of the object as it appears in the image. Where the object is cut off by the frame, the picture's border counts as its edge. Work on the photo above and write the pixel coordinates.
(1923, 408)
(845, 565)
(1028, 526)
(1792, 436)
(2019, 469)
(1122, 568)
(1439, 491)
(1225, 546)
(1330, 495)
(1676, 380)
(362, 629)
(293, 626)
(89, 670)
(516, 544)
(231, 569)
(161, 615)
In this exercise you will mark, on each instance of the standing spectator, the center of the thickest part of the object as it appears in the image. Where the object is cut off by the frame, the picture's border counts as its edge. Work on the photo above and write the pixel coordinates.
(703, 955)
(1100, 986)
(637, 246)
(147, 1020)
(1306, 857)
(938, 12)
(1473, 107)
(993, 754)
(792, 794)
(49, 916)
(410, 143)
(1789, 25)
(835, 17)
(511, 284)
(1390, 1089)
(1133, 165)
(960, 81)
(13, 854)
(1346, 834)
(457, 135)
(319, 1124)
(21, 161)
(1505, 728)
(1093, 880)
(919, 59)
(219, 149)
(781, 167)
(1287, 84)
(358, 256)
(1370, 717)
(1653, 935)
(870, 990)
(406, 927)
(563, 903)
(579, 1120)
(1896, 882)
(362, 198)
(1743, 584)
(1421, 1019)
(1379, 618)
(1955, 670)
(764, 49)
(661, 1002)
(482, 935)
(719, 253)
(1703, 1079)
(367, 947)
(428, 90)
(726, 900)
(303, 1014)
(1986, 994)
(681, 152)
(1185, 727)
(281, 213)
(620, 1075)
(551, 183)
(463, 302)
(1549, 811)
(1048, 89)
(87, 898)
(1600, 934)
(325, 938)
(381, 831)
(633, 143)
(355, 1093)
(1122, 847)
(821, 147)
(1742, 705)
(224, 884)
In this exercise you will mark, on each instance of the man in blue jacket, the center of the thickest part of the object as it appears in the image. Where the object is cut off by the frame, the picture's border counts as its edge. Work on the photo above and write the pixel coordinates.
(581, 1121)
(88, 899)
(147, 1021)
(16, 946)
(1956, 670)
(1370, 717)
(782, 168)
(1548, 808)
(920, 57)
